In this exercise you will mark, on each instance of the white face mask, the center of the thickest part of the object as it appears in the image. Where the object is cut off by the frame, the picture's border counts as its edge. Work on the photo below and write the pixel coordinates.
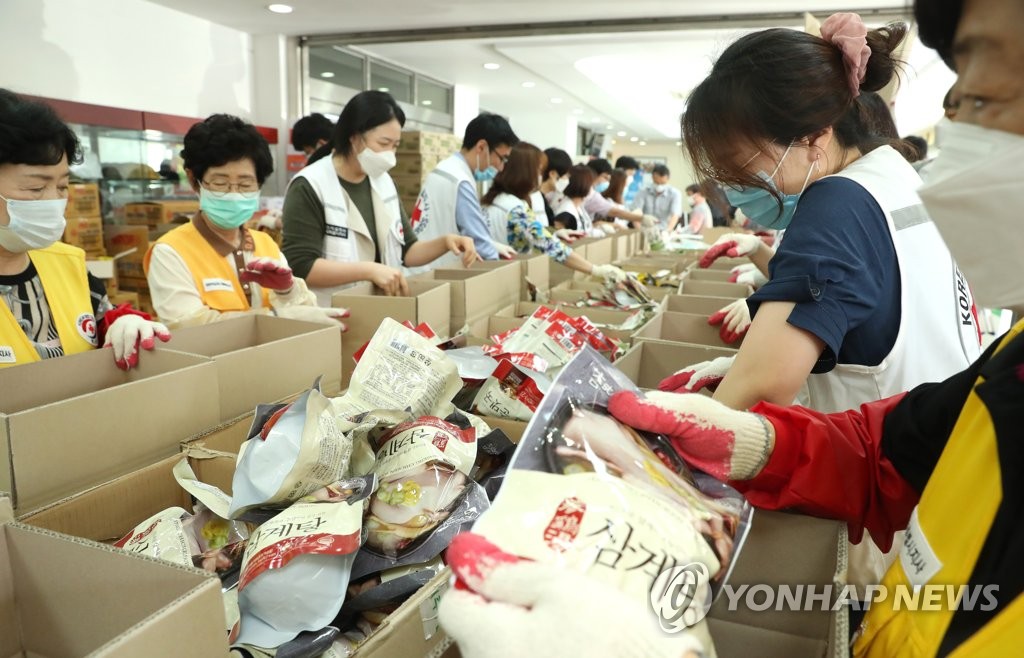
(34, 224)
(376, 163)
(661, 187)
(561, 184)
(974, 196)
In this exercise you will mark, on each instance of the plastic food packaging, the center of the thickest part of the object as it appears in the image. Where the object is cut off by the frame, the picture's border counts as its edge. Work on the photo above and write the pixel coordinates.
(590, 494)
(425, 495)
(511, 392)
(292, 451)
(297, 565)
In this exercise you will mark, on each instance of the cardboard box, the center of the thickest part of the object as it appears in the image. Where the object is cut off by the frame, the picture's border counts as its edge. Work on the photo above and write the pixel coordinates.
(600, 316)
(413, 631)
(61, 596)
(784, 549)
(649, 362)
(573, 292)
(131, 273)
(513, 429)
(534, 268)
(119, 239)
(71, 423)
(697, 304)
(429, 301)
(416, 163)
(477, 294)
(651, 265)
(83, 201)
(262, 359)
(626, 244)
(558, 273)
(429, 142)
(715, 289)
(85, 233)
(124, 297)
(718, 276)
(600, 251)
(682, 328)
(727, 263)
(154, 213)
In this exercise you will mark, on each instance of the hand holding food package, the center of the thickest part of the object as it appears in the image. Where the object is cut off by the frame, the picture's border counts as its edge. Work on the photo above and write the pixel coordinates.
(587, 493)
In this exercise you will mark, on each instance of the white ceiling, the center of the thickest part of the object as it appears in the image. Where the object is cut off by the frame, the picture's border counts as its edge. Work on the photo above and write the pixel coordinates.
(635, 82)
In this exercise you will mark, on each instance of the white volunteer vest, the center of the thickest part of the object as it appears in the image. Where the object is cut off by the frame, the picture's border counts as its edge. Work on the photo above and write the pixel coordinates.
(434, 215)
(583, 220)
(347, 239)
(537, 203)
(497, 215)
(938, 333)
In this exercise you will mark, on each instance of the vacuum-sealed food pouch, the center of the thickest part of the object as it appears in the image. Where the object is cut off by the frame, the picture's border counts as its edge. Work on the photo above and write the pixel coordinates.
(511, 392)
(297, 565)
(292, 451)
(424, 495)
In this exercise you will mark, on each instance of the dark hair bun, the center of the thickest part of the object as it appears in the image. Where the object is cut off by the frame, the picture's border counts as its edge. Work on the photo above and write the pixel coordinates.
(883, 66)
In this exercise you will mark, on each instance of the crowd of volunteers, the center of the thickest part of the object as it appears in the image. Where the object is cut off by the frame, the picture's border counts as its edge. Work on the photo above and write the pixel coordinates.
(861, 391)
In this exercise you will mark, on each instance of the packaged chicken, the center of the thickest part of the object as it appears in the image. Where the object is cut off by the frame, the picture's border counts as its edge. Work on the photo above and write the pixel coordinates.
(511, 392)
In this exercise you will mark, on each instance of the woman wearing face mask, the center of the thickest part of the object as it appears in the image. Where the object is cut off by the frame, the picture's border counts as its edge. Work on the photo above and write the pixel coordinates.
(569, 210)
(213, 268)
(554, 179)
(343, 222)
(512, 220)
(51, 305)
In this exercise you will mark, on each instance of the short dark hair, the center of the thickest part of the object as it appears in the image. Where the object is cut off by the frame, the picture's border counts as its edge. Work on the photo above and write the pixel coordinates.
(222, 138)
(31, 133)
(581, 182)
(600, 166)
(519, 175)
(366, 111)
(309, 130)
(920, 144)
(936, 25)
(694, 189)
(492, 128)
(626, 162)
(660, 170)
(778, 86)
(558, 161)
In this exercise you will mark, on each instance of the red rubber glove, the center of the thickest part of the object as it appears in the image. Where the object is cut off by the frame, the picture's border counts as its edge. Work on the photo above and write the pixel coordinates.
(734, 320)
(722, 442)
(268, 273)
(732, 245)
(705, 375)
(130, 332)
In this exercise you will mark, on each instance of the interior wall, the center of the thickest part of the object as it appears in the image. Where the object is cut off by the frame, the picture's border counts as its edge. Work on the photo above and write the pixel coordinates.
(674, 156)
(125, 53)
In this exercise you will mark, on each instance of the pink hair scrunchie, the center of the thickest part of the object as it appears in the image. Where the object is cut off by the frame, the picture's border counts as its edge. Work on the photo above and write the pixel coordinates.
(847, 32)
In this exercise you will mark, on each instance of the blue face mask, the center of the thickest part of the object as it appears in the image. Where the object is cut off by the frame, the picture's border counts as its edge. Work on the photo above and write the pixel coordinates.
(761, 206)
(485, 175)
(601, 187)
(228, 210)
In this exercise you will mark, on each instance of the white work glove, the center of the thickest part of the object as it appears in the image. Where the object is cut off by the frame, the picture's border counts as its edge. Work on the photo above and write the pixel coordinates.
(607, 228)
(748, 275)
(706, 374)
(732, 245)
(523, 609)
(734, 320)
(567, 235)
(272, 219)
(130, 332)
(724, 443)
(318, 314)
(649, 221)
(505, 252)
(610, 273)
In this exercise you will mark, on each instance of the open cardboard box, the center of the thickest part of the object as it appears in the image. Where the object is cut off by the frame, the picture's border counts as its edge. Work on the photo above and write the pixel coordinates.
(600, 251)
(599, 316)
(784, 549)
(650, 266)
(714, 289)
(727, 263)
(477, 293)
(572, 292)
(649, 362)
(698, 304)
(625, 244)
(262, 358)
(428, 301)
(535, 270)
(63, 597)
(558, 273)
(71, 423)
(682, 328)
(413, 630)
(718, 276)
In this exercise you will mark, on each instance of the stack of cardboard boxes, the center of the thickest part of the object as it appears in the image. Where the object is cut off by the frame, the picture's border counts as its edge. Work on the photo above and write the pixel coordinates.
(418, 155)
(84, 222)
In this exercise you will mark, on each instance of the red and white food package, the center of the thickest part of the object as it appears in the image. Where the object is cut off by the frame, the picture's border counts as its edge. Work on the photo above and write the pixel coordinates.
(511, 392)
(296, 570)
(164, 537)
(299, 449)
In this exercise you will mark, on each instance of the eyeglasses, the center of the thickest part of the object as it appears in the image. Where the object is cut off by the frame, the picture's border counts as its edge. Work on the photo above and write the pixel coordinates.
(223, 186)
(503, 158)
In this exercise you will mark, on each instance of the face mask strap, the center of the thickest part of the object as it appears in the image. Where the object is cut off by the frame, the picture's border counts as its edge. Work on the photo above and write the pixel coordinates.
(781, 160)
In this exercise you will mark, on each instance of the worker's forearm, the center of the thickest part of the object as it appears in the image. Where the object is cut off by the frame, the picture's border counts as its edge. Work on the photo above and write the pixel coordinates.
(672, 221)
(622, 213)
(425, 252)
(579, 263)
(328, 273)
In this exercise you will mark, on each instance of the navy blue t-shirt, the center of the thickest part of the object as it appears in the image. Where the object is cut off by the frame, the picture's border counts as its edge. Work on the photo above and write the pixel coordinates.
(838, 263)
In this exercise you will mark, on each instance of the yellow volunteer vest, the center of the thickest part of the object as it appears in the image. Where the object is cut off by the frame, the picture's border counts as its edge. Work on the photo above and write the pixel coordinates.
(65, 280)
(216, 280)
(945, 541)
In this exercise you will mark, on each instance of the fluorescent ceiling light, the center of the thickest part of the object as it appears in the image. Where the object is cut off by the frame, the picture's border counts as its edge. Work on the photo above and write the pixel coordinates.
(609, 127)
(621, 133)
(384, 89)
(556, 100)
(280, 9)
(428, 102)
(529, 85)
(577, 111)
(679, 143)
(634, 139)
(643, 143)
(327, 74)
(491, 66)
